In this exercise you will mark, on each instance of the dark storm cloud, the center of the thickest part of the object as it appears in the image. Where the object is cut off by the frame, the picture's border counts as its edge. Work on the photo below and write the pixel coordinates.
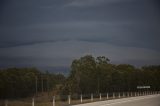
(146, 24)
(34, 25)
(16, 44)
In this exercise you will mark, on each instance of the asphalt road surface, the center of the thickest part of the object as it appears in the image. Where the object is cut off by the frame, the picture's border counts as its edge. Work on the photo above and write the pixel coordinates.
(151, 100)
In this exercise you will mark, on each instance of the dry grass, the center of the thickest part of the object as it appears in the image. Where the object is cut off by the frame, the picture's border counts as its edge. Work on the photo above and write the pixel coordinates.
(47, 101)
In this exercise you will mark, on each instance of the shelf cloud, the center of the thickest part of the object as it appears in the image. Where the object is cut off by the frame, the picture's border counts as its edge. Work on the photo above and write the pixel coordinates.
(54, 32)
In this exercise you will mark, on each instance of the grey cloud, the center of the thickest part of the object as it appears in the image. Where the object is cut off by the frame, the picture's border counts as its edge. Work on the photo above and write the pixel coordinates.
(16, 44)
(62, 53)
(29, 61)
(122, 33)
(67, 29)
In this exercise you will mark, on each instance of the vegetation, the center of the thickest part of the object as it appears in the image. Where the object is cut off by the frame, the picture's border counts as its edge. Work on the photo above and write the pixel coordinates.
(94, 75)
(23, 82)
(87, 75)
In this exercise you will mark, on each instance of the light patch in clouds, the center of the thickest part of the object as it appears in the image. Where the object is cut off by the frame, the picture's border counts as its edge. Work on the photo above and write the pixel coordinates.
(84, 3)
(61, 31)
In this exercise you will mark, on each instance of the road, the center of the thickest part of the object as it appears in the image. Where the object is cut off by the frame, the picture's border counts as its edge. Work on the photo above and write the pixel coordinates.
(150, 100)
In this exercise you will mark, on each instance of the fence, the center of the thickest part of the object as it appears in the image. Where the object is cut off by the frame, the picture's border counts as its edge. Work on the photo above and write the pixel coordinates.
(67, 100)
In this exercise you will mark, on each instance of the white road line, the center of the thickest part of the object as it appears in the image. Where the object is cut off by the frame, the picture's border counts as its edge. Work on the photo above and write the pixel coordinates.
(127, 101)
(119, 101)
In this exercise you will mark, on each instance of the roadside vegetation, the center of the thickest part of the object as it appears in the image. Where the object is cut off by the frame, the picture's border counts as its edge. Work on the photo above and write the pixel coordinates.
(87, 75)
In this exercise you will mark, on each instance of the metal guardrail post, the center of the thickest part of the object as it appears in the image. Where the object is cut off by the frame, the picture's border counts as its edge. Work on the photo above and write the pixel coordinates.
(107, 95)
(81, 98)
(32, 101)
(69, 99)
(128, 94)
(91, 97)
(53, 103)
(113, 95)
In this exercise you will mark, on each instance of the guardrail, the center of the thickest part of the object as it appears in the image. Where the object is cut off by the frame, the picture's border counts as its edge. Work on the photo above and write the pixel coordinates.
(66, 100)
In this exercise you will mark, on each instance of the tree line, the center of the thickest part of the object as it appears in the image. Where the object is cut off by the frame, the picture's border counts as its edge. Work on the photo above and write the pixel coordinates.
(88, 75)
(98, 75)
(25, 82)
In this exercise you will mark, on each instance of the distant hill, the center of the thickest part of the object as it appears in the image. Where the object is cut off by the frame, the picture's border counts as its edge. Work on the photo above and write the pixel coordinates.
(56, 69)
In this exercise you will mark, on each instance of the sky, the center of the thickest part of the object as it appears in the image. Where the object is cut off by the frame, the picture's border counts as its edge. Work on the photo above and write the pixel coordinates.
(52, 33)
